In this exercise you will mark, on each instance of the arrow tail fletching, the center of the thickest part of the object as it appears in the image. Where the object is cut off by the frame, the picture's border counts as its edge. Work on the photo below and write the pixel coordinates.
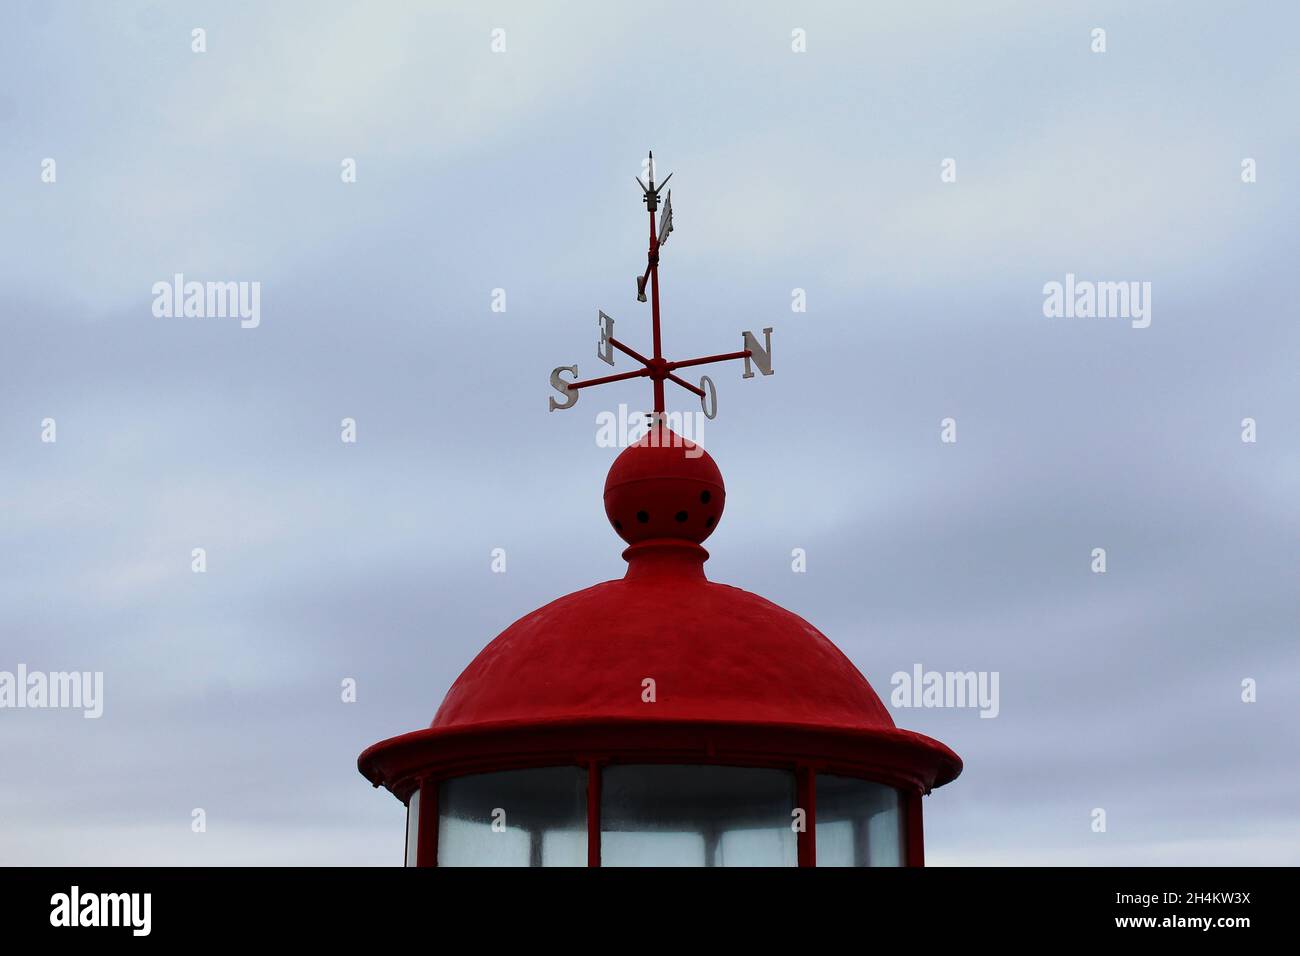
(666, 219)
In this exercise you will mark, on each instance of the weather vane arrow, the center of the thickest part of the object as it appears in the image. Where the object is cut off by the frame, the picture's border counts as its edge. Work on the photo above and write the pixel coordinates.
(658, 369)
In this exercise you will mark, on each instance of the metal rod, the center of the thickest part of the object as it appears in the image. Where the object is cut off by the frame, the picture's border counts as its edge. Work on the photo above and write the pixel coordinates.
(710, 358)
(654, 309)
(627, 351)
(686, 385)
(639, 373)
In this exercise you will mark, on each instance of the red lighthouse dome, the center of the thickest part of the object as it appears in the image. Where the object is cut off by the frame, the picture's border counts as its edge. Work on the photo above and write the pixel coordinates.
(660, 718)
(663, 688)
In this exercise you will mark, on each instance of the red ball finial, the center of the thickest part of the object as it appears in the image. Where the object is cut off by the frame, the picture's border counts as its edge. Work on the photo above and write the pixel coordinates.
(664, 486)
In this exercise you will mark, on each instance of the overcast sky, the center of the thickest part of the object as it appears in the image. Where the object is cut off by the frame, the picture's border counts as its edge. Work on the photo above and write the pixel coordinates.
(513, 170)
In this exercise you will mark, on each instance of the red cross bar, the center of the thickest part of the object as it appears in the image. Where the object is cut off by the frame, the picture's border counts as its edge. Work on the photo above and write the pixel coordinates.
(658, 370)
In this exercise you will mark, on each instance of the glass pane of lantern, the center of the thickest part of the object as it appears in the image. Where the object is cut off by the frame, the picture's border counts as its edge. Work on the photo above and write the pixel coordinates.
(859, 823)
(669, 815)
(412, 826)
(516, 818)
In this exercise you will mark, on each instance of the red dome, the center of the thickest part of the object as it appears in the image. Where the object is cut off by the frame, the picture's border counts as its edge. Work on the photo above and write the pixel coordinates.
(735, 677)
(714, 652)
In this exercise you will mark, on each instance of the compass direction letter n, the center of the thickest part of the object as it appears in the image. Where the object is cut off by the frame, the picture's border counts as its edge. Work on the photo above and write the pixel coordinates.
(761, 354)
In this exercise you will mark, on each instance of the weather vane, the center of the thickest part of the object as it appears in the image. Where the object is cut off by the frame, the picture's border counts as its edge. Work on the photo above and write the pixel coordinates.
(658, 369)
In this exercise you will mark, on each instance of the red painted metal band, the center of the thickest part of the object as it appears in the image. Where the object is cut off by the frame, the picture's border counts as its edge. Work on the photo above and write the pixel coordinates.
(899, 758)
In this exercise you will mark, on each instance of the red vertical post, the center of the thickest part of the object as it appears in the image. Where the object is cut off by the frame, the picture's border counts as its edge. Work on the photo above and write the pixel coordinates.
(593, 814)
(913, 829)
(806, 794)
(654, 309)
(426, 840)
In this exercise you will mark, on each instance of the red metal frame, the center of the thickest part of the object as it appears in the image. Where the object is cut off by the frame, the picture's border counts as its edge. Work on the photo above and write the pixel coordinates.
(806, 782)
(426, 838)
(805, 798)
(910, 762)
(593, 813)
(915, 837)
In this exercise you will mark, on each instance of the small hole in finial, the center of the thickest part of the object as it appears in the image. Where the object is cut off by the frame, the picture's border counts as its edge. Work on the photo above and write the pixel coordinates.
(704, 497)
(682, 516)
(643, 516)
(709, 523)
(618, 526)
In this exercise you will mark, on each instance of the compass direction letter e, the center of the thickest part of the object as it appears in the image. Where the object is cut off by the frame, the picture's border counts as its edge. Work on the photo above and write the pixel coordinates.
(605, 351)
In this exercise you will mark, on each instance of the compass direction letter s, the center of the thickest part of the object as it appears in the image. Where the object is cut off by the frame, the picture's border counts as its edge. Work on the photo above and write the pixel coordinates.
(557, 383)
